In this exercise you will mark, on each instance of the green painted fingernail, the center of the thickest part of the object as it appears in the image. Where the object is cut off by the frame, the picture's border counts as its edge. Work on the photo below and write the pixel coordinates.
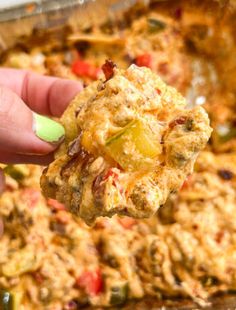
(47, 129)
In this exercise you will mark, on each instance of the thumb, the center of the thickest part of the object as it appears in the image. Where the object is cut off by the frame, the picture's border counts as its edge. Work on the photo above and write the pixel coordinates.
(25, 132)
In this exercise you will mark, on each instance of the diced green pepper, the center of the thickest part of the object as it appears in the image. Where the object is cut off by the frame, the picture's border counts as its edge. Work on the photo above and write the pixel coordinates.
(9, 300)
(16, 172)
(6, 302)
(155, 25)
(119, 294)
(134, 146)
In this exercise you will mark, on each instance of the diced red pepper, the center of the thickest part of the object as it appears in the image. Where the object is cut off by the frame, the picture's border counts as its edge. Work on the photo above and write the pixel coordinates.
(99, 182)
(115, 179)
(31, 197)
(55, 205)
(144, 60)
(113, 174)
(158, 91)
(187, 183)
(85, 69)
(91, 281)
(127, 222)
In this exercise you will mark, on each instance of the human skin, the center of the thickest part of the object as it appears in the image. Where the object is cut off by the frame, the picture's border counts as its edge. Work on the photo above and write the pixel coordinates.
(21, 94)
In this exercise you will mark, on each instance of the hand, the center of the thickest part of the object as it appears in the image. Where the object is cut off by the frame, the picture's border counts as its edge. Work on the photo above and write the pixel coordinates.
(26, 136)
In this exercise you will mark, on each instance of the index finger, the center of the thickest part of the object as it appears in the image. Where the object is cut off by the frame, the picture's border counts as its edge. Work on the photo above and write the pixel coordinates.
(43, 94)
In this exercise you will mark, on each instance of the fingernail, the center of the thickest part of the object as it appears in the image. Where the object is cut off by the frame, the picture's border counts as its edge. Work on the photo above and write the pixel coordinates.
(47, 129)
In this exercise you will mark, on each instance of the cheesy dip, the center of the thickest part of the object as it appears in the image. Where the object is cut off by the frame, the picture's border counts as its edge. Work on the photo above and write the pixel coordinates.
(129, 143)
